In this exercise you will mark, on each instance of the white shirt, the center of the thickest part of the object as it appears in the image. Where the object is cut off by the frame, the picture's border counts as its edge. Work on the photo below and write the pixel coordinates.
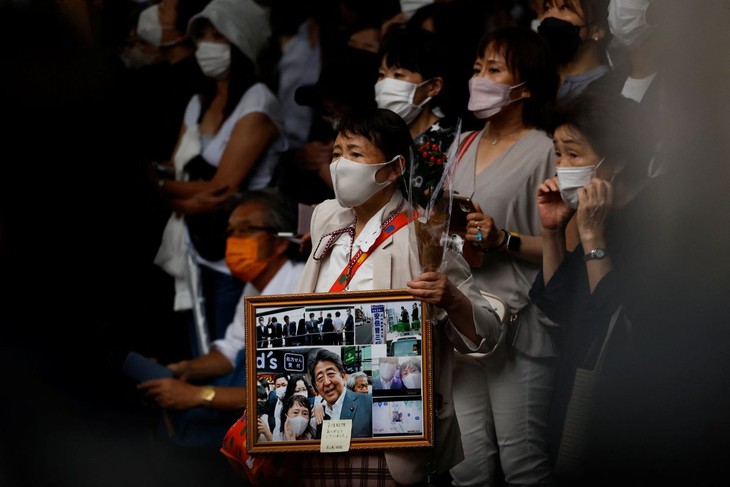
(284, 282)
(334, 412)
(277, 414)
(362, 280)
(339, 323)
(636, 88)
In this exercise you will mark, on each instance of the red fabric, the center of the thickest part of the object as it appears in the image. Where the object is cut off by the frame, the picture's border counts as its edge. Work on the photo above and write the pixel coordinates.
(259, 470)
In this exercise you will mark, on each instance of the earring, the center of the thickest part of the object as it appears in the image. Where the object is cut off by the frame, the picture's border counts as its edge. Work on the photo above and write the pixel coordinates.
(595, 38)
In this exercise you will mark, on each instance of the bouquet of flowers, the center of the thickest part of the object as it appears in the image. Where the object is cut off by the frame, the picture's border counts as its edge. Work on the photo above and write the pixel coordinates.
(430, 177)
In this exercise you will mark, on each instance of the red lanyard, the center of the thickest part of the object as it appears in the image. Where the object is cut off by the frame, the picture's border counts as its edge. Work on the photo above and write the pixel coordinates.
(401, 220)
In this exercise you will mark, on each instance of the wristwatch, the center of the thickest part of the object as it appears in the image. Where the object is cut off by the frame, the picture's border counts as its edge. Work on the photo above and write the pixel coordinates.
(207, 395)
(514, 241)
(597, 253)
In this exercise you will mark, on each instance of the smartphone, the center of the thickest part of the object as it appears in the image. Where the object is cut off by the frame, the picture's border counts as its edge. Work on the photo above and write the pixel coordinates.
(460, 207)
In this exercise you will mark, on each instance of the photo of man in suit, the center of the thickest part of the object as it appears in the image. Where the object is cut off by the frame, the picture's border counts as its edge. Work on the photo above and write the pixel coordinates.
(349, 328)
(300, 337)
(329, 379)
(276, 332)
(328, 330)
(261, 341)
(313, 333)
(290, 331)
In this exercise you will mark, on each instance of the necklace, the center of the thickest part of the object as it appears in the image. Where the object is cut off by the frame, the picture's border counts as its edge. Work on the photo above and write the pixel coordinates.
(494, 140)
(350, 230)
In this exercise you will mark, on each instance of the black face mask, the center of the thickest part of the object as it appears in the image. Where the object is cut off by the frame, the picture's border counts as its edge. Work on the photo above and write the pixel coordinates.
(563, 37)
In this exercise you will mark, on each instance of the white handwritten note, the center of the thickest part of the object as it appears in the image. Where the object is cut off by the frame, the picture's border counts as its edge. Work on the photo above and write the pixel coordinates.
(336, 434)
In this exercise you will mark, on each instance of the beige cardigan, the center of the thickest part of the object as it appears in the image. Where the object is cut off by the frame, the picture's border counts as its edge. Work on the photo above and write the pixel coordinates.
(395, 263)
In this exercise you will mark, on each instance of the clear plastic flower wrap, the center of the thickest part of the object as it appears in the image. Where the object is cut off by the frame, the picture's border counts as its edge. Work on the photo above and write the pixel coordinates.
(431, 172)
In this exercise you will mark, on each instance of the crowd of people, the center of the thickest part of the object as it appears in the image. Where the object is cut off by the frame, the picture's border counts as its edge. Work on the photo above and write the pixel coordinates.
(589, 135)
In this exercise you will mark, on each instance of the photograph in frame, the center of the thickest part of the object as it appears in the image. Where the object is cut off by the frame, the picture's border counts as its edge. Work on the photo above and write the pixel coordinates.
(363, 356)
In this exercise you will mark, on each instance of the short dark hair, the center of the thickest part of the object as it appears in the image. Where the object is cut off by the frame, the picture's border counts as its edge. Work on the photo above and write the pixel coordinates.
(289, 402)
(616, 127)
(292, 384)
(416, 50)
(528, 58)
(324, 355)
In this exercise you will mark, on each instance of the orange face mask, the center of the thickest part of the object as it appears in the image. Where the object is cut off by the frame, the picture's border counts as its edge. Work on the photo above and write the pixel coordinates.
(242, 257)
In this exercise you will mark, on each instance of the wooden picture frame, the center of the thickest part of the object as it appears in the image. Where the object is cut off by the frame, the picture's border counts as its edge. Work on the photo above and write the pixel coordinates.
(382, 344)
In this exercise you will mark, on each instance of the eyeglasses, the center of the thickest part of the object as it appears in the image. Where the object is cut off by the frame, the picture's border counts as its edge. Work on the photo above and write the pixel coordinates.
(248, 230)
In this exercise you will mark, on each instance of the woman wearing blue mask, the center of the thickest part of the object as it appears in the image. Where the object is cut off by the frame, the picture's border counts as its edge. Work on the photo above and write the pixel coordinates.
(502, 399)
(601, 144)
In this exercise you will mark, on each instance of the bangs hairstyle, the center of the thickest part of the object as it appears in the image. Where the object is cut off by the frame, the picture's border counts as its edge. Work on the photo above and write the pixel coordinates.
(291, 402)
(615, 127)
(382, 127)
(527, 55)
(416, 50)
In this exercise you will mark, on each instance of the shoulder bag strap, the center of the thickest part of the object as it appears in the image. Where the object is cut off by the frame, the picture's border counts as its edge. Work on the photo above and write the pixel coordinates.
(465, 144)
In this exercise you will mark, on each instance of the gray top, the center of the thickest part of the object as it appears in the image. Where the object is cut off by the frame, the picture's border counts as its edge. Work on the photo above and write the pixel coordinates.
(507, 191)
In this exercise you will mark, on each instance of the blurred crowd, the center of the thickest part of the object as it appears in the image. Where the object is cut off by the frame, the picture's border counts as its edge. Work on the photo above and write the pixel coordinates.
(172, 153)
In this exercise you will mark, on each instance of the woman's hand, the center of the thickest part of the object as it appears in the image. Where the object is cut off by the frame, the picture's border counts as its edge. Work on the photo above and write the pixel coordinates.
(554, 212)
(594, 205)
(435, 288)
(288, 431)
(481, 229)
(318, 410)
(263, 429)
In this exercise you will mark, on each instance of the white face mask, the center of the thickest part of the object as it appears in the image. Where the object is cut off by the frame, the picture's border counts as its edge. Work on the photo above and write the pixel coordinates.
(572, 179)
(354, 182)
(409, 7)
(412, 380)
(397, 95)
(298, 425)
(214, 59)
(280, 391)
(387, 371)
(627, 21)
(149, 28)
(487, 97)
(302, 393)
